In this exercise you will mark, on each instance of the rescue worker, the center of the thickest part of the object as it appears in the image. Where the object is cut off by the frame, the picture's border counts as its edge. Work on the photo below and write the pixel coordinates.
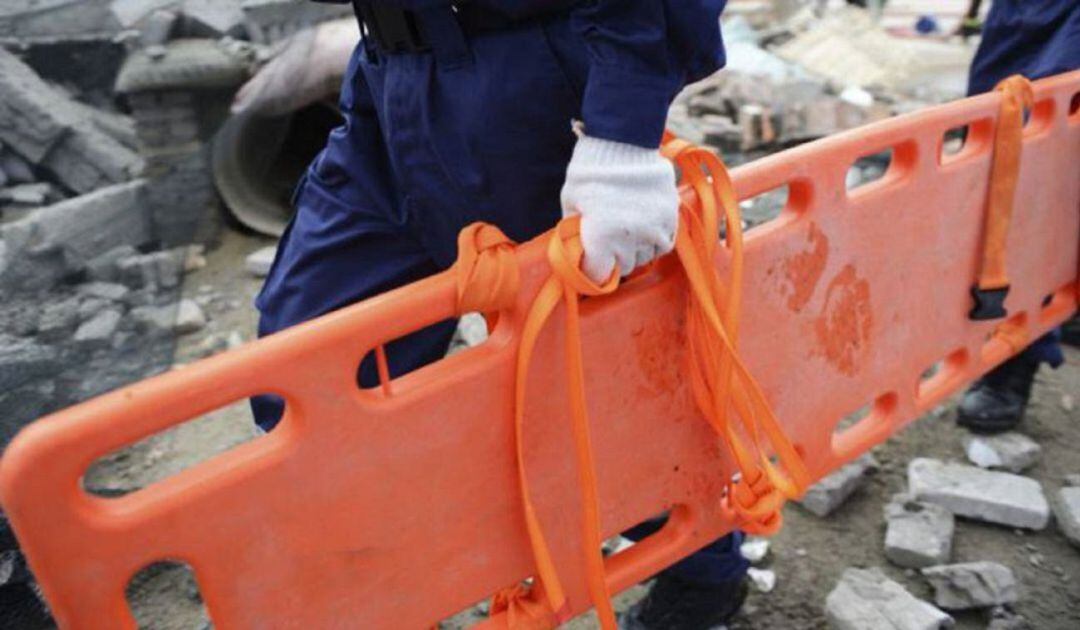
(456, 114)
(1035, 38)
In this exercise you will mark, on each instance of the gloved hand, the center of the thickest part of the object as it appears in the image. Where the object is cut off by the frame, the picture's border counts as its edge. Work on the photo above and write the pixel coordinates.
(628, 202)
(309, 68)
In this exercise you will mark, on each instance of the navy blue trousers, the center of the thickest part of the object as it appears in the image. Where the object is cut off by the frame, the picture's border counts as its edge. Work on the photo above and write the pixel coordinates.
(1035, 38)
(477, 130)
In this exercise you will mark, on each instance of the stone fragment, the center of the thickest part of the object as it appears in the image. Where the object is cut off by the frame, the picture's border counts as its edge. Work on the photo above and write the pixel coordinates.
(157, 28)
(59, 240)
(189, 317)
(829, 493)
(754, 549)
(29, 21)
(258, 262)
(44, 127)
(1072, 479)
(1001, 618)
(1068, 403)
(58, 318)
(972, 585)
(1067, 512)
(105, 290)
(212, 18)
(995, 497)
(28, 195)
(129, 13)
(1010, 451)
(917, 534)
(99, 329)
(17, 170)
(867, 600)
(23, 361)
(164, 269)
(764, 580)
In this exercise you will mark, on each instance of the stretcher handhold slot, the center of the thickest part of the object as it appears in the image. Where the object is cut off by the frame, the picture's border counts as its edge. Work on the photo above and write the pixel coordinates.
(1039, 119)
(211, 423)
(966, 141)
(1006, 339)
(852, 441)
(942, 379)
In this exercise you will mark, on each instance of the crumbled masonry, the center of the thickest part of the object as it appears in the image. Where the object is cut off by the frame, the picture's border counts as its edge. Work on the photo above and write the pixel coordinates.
(867, 600)
(995, 497)
(972, 585)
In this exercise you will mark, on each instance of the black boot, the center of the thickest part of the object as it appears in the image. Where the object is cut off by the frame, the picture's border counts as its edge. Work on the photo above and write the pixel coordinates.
(997, 401)
(675, 604)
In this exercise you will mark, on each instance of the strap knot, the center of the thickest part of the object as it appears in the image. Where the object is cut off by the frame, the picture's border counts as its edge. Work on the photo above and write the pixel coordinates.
(487, 272)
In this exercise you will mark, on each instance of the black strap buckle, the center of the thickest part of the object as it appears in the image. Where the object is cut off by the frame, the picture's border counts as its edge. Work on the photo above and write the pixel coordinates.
(392, 29)
(989, 303)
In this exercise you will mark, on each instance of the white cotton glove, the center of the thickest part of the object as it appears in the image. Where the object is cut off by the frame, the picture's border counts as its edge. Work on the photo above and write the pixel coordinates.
(309, 67)
(628, 202)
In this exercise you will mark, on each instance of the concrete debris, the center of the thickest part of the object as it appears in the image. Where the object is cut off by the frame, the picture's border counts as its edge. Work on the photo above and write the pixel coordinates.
(754, 549)
(972, 585)
(59, 240)
(41, 125)
(26, 21)
(995, 497)
(865, 599)
(1011, 451)
(848, 48)
(57, 319)
(258, 262)
(32, 195)
(213, 18)
(830, 493)
(100, 328)
(180, 65)
(23, 361)
(16, 170)
(105, 290)
(180, 318)
(1002, 618)
(164, 269)
(917, 534)
(763, 580)
(130, 13)
(1067, 512)
(189, 317)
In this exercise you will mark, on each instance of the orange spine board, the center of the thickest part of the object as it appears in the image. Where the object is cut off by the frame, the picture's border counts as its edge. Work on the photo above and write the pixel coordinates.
(394, 508)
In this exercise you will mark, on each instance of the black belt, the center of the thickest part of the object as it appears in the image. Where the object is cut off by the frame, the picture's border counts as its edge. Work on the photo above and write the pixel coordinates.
(396, 30)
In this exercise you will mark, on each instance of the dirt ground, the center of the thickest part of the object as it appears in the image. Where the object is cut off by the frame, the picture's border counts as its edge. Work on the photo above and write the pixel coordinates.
(808, 556)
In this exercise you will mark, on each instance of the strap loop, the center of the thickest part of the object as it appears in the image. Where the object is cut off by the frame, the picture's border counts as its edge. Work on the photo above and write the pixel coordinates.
(488, 279)
(992, 285)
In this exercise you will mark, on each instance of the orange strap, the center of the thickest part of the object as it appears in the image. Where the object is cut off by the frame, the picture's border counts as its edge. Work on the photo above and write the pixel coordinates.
(721, 382)
(1016, 95)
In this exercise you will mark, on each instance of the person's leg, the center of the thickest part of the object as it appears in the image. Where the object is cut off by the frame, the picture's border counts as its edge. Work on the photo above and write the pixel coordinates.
(703, 590)
(1036, 39)
(348, 241)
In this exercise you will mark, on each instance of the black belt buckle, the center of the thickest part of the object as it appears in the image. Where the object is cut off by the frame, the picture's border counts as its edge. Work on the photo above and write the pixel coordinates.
(392, 29)
(989, 303)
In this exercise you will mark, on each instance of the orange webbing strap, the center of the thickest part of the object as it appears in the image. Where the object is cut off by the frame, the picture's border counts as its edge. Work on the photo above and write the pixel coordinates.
(566, 284)
(721, 382)
(992, 285)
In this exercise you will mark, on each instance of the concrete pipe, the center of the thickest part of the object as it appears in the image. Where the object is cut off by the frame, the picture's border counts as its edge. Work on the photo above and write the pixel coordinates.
(258, 160)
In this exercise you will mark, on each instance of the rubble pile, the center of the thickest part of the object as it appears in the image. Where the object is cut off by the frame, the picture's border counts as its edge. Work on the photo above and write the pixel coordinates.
(107, 111)
(809, 77)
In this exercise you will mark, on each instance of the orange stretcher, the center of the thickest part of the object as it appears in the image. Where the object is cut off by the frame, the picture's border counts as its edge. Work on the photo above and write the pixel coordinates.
(399, 506)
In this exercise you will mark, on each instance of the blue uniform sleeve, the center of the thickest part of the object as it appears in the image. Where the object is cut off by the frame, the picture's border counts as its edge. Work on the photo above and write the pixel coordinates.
(642, 52)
